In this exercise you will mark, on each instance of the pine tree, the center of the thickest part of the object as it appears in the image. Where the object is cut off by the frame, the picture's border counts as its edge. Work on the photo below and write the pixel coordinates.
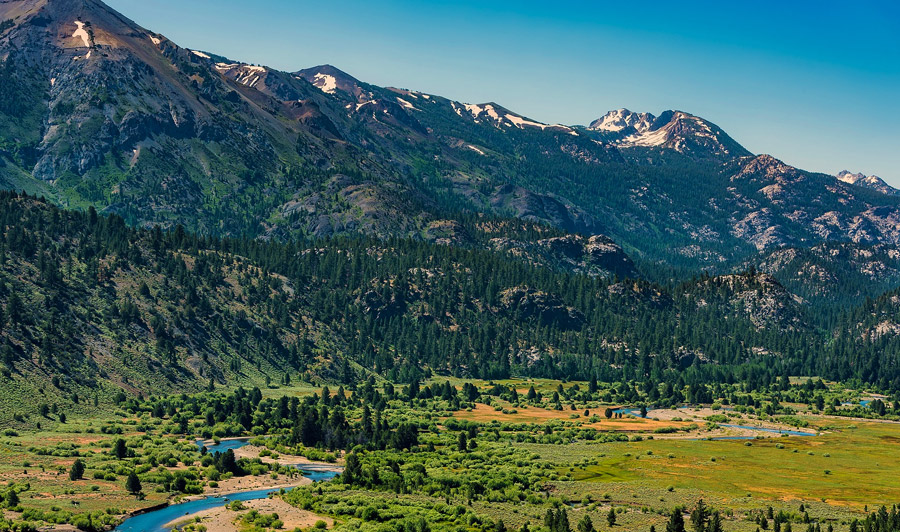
(699, 517)
(12, 498)
(676, 521)
(133, 484)
(77, 471)
(120, 450)
(562, 521)
(715, 523)
(14, 307)
(585, 524)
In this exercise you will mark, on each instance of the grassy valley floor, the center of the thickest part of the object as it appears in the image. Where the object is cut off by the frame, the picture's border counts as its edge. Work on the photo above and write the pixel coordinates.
(489, 462)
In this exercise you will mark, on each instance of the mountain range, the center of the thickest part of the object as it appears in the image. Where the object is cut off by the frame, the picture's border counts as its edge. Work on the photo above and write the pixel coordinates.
(97, 110)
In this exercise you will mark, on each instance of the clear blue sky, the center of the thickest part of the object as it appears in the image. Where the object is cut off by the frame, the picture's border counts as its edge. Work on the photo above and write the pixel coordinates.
(816, 83)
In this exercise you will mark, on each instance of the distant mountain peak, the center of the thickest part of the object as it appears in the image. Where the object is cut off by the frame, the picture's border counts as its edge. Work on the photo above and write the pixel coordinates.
(81, 14)
(622, 119)
(675, 130)
(871, 182)
(330, 80)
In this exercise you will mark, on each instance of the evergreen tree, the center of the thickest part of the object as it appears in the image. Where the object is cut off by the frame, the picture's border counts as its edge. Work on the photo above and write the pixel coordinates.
(699, 517)
(120, 450)
(133, 483)
(585, 524)
(12, 498)
(676, 521)
(77, 470)
(715, 523)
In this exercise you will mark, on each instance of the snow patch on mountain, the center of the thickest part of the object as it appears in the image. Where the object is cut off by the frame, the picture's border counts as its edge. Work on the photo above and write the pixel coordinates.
(650, 138)
(478, 110)
(81, 32)
(521, 122)
(502, 118)
(406, 104)
(325, 82)
(247, 75)
(200, 54)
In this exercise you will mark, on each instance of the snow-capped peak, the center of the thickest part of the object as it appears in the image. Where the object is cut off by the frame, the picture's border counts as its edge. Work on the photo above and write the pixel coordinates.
(862, 180)
(615, 121)
(676, 130)
(659, 134)
(847, 177)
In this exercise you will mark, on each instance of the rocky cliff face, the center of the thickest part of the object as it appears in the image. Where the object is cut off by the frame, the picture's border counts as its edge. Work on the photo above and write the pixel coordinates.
(525, 303)
(775, 204)
(834, 273)
(758, 297)
(595, 255)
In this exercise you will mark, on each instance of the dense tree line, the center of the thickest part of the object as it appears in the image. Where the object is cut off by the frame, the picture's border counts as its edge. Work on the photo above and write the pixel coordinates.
(401, 308)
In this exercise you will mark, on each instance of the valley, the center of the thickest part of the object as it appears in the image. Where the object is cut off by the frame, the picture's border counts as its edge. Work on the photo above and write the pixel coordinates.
(237, 298)
(494, 452)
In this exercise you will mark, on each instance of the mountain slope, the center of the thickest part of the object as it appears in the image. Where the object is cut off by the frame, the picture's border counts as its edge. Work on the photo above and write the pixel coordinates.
(834, 274)
(96, 110)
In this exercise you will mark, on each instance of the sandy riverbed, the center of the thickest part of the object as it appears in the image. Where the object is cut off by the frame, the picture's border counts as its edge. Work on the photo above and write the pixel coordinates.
(222, 519)
(252, 451)
(236, 484)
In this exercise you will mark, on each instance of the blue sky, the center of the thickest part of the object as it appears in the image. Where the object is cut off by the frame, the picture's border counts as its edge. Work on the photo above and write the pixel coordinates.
(814, 83)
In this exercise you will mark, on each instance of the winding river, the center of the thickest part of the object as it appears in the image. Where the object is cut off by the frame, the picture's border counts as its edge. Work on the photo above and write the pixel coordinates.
(223, 445)
(154, 521)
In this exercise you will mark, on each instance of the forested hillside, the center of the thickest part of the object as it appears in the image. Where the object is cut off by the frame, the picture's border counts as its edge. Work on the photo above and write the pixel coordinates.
(92, 307)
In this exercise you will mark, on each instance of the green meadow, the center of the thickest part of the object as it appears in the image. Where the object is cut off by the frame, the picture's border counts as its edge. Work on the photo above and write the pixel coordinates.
(456, 455)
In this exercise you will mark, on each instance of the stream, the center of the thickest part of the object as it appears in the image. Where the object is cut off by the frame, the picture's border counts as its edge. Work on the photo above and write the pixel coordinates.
(154, 521)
